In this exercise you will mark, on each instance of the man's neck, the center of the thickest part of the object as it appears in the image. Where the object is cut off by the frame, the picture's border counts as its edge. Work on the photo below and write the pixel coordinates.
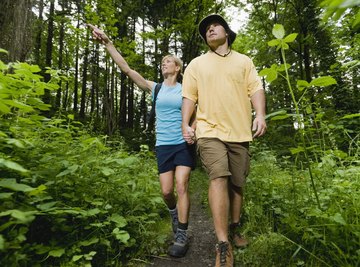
(221, 50)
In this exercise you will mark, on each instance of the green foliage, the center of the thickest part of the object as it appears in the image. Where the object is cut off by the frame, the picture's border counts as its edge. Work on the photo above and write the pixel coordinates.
(336, 8)
(284, 224)
(68, 197)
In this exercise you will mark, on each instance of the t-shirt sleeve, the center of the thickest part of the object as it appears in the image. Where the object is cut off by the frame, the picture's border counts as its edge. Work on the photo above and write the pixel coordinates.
(189, 86)
(254, 81)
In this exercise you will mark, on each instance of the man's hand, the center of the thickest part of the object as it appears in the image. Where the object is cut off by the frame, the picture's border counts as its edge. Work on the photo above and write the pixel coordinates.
(99, 35)
(259, 126)
(188, 134)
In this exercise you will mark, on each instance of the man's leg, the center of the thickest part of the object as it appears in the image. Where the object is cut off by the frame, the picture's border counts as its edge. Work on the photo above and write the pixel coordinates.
(236, 200)
(214, 156)
(219, 205)
(239, 164)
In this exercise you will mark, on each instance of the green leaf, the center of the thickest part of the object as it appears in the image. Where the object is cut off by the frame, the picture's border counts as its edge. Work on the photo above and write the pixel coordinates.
(309, 109)
(338, 218)
(323, 81)
(69, 170)
(274, 42)
(279, 112)
(4, 108)
(16, 142)
(19, 105)
(22, 216)
(92, 212)
(3, 51)
(351, 116)
(5, 195)
(121, 235)
(278, 31)
(2, 243)
(290, 38)
(119, 220)
(76, 257)
(12, 165)
(57, 252)
(302, 84)
(272, 76)
(264, 72)
(107, 171)
(282, 67)
(283, 46)
(89, 242)
(39, 190)
(297, 150)
(13, 185)
(47, 206)
(280, 117)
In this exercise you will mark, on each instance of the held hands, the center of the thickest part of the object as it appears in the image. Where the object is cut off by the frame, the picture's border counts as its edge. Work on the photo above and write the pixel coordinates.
(188, 134)
(99, 35)
(259, 126)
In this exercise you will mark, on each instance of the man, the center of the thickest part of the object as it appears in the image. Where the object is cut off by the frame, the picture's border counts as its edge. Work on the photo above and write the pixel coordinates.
(224, 84)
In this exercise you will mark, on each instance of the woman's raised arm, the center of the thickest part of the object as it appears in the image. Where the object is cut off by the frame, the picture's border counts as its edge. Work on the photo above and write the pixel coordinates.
(136, 77)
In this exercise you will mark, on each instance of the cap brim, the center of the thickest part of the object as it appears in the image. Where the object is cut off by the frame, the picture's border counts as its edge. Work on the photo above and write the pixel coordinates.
(216, 18)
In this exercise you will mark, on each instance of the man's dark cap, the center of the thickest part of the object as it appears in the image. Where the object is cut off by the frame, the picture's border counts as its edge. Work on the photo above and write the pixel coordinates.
(216, 18)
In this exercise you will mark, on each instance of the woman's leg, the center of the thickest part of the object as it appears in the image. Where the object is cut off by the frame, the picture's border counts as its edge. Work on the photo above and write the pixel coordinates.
(167, 188)
(182, 174)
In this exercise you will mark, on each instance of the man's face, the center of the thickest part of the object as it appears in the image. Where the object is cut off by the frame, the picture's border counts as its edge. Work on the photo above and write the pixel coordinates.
(215, 33)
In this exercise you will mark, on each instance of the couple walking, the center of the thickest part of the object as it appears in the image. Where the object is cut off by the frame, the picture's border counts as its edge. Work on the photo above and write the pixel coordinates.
(222, 87)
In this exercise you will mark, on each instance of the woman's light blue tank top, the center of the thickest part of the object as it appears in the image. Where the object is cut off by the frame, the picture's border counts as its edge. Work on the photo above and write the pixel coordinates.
(168, 115)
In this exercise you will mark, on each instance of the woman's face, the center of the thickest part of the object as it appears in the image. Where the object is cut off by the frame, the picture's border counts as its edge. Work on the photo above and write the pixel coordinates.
(168, 66)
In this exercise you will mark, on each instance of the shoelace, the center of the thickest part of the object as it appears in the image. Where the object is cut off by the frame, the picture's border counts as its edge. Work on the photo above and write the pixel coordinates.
(223, 247)
(181, 237)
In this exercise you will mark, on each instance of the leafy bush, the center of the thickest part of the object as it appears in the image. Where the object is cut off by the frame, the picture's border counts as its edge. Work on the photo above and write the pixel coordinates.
(67, 197)
(285, 224)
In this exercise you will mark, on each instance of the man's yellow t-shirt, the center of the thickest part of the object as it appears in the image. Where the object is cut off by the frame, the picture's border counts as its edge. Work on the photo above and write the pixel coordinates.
(222, 88)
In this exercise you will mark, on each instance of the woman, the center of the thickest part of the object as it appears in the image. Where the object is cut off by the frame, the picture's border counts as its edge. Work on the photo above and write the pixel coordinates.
(174, 155)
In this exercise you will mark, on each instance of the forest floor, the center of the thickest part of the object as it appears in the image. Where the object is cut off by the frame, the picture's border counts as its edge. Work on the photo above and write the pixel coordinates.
(201, 252)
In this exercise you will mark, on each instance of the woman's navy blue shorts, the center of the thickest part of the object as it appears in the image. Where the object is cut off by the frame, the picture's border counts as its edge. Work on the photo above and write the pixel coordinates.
(170, 156)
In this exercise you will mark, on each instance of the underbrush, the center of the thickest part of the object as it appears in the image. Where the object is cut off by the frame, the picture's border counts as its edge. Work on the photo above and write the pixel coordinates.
(284, 223)
(69, 198)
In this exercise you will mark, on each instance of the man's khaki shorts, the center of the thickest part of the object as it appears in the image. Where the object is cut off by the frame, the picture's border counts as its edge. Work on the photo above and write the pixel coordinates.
(223, 159)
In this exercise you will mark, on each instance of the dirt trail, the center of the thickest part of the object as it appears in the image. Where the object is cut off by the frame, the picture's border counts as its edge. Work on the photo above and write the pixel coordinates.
(201, 252)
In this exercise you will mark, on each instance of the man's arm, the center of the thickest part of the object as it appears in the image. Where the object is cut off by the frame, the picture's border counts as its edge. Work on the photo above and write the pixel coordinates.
(187, 110)
(259, 123)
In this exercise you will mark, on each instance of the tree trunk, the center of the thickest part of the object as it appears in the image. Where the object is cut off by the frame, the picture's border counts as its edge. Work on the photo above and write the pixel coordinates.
(60, 63)
(15, 29)
(47, 98)
(37, 51)
(84, 80)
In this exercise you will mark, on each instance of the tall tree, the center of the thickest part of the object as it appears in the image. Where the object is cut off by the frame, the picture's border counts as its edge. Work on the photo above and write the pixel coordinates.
(47, 98)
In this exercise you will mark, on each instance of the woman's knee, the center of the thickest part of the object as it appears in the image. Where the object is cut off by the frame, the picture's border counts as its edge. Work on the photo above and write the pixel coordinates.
(182, 187)
(168, 194)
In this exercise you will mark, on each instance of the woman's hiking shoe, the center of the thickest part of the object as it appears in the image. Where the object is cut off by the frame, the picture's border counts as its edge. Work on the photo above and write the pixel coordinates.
(174, 219)
(235, 236)
(224, 255)
(181, 244)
